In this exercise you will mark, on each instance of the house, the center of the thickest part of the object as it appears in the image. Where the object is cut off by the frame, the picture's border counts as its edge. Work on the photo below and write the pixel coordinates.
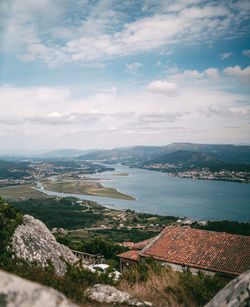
(194, 249)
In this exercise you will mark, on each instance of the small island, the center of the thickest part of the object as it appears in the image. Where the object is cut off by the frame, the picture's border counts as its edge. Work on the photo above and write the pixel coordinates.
(85, 188)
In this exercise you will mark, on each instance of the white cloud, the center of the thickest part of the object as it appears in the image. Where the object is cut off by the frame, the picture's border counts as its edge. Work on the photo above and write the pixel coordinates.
(133, 67)
(246, 52)
(226, 55)
(212, 73)
(163, 87)
(119, 119)
(104, 29)
(188, 74)
(232, 111)
(242, 74)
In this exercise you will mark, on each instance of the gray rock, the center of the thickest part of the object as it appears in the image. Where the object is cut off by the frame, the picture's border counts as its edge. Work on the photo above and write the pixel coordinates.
(18, 292)
(33, 242)
(235, 294)
(109, 294)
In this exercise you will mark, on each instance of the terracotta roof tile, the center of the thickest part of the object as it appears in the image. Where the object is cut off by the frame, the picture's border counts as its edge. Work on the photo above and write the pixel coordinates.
(132, 254)
(215, 251)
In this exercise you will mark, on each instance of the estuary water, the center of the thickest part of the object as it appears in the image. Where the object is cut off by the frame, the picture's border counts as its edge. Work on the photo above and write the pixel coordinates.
(157, 193)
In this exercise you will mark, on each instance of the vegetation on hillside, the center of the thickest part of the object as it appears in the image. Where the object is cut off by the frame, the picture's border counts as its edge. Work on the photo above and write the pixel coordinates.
(225, 153)
(150, 281)
(114, 235)
(10, 218)
(233, 227)
(65, 213)
(12, 170)
(97, 246)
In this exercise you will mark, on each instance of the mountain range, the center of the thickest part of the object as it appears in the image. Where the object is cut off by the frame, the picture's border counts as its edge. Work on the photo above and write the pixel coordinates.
(213, 153)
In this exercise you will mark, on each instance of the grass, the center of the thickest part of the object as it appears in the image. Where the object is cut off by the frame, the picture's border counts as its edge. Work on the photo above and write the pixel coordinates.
(21, 192)
(85, 188)
(164, 287)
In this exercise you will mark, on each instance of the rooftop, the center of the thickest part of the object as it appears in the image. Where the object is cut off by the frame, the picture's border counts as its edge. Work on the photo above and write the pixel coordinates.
(209, 250)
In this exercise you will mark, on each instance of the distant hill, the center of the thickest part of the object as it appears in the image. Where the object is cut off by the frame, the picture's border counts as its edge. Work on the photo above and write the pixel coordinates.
(185, 158)
(191, 160)
(122, 155)
(226, 153)
(7, 169)
(139, 154)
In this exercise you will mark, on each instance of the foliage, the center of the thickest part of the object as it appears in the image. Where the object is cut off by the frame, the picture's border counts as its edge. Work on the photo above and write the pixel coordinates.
(151, 281)
(227, 226)
(12, 170)
(10, 218)
(201, 288)
(96, 246)
(143, 271)
(73, 284)
(121, 235)
(64, 213)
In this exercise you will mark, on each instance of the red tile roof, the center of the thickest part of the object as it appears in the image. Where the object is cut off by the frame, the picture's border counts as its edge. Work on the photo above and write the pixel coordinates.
(209, 250)
(132, 254)
(141, 245)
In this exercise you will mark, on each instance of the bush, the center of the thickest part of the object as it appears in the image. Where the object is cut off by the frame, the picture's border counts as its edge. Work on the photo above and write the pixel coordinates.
(150, 281)
(201, 287)
(10, 218)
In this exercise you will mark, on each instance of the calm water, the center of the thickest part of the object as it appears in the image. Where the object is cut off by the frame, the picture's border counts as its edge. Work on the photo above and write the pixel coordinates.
(160, 194)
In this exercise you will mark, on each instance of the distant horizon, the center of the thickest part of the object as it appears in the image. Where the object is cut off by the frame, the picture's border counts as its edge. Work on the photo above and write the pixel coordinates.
(44, 151)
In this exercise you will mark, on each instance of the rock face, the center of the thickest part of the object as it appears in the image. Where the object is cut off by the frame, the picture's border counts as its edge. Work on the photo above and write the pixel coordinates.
(18, 292)
(235, 294)
(33, 242)
(109, 294)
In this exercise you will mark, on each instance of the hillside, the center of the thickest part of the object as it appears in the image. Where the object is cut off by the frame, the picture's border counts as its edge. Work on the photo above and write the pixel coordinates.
(123, 155)
(190, 160)
(12, 170)
(225, 153)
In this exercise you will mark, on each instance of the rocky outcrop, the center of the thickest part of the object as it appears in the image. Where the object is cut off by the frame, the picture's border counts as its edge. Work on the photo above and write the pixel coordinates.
(109, 294)
(235, 294)
(18, 292)
(33, 242)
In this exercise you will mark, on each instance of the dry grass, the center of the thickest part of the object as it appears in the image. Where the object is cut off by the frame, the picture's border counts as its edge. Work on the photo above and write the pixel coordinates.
(162, 289)
(21, 192)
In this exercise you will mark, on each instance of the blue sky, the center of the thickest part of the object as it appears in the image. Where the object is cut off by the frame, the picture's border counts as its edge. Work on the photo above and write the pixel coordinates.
(101, 74)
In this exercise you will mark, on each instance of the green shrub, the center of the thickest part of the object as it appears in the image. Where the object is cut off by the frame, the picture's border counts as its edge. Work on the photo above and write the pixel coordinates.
(10, 218)
(201, 287)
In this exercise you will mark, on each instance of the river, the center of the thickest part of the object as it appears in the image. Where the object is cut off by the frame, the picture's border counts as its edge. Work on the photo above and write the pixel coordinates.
(157, 193)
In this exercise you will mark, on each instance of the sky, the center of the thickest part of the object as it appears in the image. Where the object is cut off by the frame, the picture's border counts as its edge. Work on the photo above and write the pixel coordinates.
(101, 74)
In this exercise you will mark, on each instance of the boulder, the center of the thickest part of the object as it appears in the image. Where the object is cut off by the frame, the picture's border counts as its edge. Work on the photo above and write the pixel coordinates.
(33, 242)
(18, 292)
(109, 294)
(235, 294)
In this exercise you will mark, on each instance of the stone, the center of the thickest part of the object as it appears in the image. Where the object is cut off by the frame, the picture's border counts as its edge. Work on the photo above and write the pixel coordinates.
(235, 294)
(33, 242)
(109, 294)
(18, 292)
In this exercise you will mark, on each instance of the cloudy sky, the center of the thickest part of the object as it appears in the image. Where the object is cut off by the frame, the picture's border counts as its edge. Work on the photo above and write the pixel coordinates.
(108, 73)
